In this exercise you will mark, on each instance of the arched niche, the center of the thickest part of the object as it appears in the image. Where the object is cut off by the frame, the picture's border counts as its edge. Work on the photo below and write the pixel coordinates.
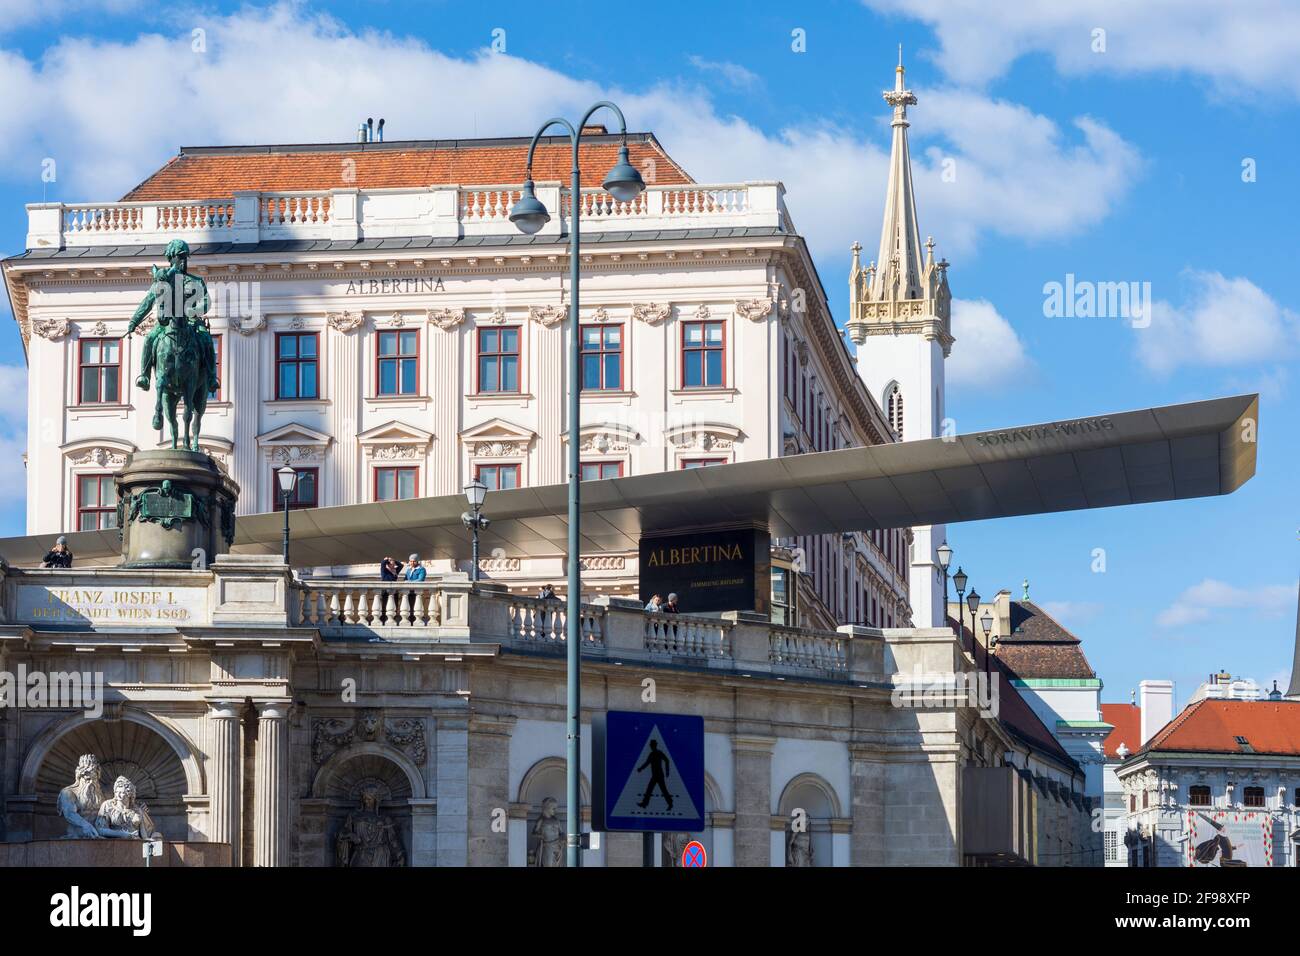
(811, 793)
(336, 793)
(150, 751)
(544, 779)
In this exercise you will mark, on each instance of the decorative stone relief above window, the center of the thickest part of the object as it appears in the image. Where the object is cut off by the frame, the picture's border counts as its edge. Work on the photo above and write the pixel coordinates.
(395, 441)
(145, 327)
(296, 323)
(497, 449)
(498, 317)
(756, 310)
(345, 321)
(100, 457)
(600, 315)
(703, 437)
(295, 453)
(652, 313)
(247, 326)
(50, 328)
(99, 329)
(702, 312)
(446, 319)
(547, 315)
(395, 322)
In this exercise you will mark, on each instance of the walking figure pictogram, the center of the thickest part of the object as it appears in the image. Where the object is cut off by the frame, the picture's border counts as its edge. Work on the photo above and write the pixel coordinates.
(660, 767)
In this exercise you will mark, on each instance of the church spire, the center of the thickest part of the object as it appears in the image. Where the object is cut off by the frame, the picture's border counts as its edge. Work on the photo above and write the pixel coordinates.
(899, 266)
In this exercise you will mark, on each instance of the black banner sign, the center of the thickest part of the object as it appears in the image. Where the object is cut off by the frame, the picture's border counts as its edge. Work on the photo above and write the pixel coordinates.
(727, 570)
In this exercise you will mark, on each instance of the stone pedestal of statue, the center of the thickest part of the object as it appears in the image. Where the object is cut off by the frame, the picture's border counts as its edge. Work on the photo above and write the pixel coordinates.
(172, 504)
(112, 853)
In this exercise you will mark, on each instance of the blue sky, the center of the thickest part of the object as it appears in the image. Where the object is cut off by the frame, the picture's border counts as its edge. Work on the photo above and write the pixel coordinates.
(1112, 157)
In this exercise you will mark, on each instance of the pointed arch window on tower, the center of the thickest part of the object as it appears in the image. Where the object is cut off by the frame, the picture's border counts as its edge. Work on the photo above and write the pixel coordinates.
(894, 409)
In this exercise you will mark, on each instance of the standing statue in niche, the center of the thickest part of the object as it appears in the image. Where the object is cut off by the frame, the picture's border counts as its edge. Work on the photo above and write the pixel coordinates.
(799, 851)
(550, 833)
(123, 817)
(178, 351)
(368, 838)
(80, 801)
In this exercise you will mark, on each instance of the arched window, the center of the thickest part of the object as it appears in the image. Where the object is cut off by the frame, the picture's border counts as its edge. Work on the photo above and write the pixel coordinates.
(894, 409)
(1199, 796)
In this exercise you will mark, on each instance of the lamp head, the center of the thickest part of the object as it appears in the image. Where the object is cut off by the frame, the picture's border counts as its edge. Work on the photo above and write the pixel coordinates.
(959, 580)
(623, 182)
(987, 622)
(945, 555)
(529, 214)
(288, 479)
(973, 600)
(475, 492)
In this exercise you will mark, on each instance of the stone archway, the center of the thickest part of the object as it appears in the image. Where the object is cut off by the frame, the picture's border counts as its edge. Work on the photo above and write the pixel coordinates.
(156, 757)
(336, 793)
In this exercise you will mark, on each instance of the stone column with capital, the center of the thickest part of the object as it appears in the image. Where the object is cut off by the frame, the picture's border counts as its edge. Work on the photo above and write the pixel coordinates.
(225, 759)
(270, 785)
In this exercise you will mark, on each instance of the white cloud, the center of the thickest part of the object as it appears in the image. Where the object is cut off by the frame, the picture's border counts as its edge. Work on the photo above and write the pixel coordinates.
(987, 351)
(1201, 601)
(733, 74)
(1232, 45)
(110, 113)
(1222, 322)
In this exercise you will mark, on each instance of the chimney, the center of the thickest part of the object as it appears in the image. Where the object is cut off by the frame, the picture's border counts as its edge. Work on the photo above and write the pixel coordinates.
(361, 132)
(1156, 700)
(380, 131)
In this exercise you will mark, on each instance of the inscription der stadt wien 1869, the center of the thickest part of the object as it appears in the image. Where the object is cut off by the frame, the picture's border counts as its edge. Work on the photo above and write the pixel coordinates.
(1081, 426)
(117, 605)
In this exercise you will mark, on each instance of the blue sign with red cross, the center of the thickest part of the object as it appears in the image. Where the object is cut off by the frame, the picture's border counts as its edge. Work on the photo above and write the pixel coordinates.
(693, 854)
(647, 772)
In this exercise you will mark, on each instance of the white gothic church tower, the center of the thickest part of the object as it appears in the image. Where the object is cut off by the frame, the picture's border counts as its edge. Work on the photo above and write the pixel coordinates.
(899, 321)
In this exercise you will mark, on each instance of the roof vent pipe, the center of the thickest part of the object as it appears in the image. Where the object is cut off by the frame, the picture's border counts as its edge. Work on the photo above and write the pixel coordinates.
(370, 129)
(361, 132)
(381, 129)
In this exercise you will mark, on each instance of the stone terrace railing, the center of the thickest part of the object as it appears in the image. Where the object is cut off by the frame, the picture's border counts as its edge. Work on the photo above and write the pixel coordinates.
(342, 607)
(435, 211)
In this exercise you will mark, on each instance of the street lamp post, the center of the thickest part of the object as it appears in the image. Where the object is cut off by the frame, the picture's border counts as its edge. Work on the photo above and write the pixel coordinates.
(986, 621)
(973, 603)
(474, 519)
(945, 559)
(529, 215)
(288, 479)
(959, 582)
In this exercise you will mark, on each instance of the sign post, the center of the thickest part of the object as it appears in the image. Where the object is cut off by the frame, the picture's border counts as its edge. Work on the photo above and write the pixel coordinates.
(647, 774)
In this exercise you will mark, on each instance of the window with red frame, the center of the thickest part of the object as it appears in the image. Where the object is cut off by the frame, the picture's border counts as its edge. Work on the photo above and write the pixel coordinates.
(396, 484)
(221, 379)
(297, 365)
(602, 357)
(702, 462)
(1253, 796)
(498, 360)
(398, 358)
(1199, 796)
(596, 470)
(96, 502)
(498, 477)
(704, 348)
(101, 371)
(306, 493)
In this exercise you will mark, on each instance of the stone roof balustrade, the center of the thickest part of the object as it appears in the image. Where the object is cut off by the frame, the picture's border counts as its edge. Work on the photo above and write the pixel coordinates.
(446, 212)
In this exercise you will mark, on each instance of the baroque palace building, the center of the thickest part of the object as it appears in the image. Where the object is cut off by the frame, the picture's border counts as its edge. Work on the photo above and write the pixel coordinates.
(383, 328)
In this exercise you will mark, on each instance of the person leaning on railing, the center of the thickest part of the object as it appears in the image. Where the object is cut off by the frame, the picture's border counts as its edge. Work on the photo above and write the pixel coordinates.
(414, 569)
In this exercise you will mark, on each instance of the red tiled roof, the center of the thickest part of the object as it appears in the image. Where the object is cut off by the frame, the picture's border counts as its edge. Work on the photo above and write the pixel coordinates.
(217, 172)
(1039, 647)
(1127, 721)
(1270, 727)
(1014, 711)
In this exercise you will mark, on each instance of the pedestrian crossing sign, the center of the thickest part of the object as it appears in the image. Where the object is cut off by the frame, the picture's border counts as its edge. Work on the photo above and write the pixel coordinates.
(648, 772)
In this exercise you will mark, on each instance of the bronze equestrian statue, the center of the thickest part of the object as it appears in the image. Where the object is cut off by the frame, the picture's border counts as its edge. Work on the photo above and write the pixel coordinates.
(178, 351)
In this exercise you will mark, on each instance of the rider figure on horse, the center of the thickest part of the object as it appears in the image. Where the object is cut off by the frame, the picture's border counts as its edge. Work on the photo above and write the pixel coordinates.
(175, 291)
(182, 298)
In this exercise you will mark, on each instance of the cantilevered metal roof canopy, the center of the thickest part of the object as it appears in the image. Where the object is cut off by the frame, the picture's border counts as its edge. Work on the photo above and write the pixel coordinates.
(1157, 454)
